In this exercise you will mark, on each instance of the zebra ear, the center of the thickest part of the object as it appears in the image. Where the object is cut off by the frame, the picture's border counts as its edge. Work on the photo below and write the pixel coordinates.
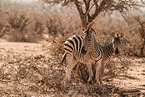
(113, 34)
(121, 34)
(84, 31)
(83, 51)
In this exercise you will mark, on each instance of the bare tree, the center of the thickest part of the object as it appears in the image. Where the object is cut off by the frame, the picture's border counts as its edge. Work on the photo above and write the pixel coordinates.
(90, 9)
(142, 34)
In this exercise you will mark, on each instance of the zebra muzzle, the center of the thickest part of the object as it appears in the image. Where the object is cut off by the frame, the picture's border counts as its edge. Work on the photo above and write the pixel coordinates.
(116, 51)
(83, 51)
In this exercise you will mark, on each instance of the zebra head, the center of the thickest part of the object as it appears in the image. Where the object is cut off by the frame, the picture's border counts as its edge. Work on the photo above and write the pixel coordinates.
(88, 40)
(116, 41)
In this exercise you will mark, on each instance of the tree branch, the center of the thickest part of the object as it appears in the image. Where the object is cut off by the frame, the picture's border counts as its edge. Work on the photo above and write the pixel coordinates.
(139, 21)
(124, 17)
(98, 9)
(82, 15)
(87, 4)
(84, 7)
(79, 7)
(88, 11)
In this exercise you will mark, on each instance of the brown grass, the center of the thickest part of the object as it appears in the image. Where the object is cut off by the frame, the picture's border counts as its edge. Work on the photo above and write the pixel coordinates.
(29, 69)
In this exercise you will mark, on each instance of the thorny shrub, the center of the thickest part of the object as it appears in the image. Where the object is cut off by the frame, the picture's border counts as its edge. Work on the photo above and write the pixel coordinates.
(59, 24)
(3, 29)
(21, 27)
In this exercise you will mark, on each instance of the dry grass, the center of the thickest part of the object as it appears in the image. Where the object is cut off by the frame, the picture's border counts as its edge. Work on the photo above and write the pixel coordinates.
(28, 69)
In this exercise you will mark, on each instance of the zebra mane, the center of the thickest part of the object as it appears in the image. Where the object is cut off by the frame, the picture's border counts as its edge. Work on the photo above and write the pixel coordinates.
(108, 49)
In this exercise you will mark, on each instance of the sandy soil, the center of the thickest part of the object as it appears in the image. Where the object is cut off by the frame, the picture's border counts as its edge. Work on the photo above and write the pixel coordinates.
(135, 77)
(22, 48)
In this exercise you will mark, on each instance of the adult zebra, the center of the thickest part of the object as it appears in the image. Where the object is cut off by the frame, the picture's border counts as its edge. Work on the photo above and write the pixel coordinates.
(75, 51)
(87, 51)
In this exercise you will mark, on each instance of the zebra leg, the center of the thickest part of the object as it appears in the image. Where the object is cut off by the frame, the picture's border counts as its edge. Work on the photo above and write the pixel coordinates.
(89, 66)
(71, 64)
(63, 59)
(98, 67)
(69, 58)
(75, 75)
(101, 71)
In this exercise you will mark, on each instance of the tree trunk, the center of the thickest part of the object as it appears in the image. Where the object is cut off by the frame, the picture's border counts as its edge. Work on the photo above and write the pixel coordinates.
(142, 49)
(86, 20)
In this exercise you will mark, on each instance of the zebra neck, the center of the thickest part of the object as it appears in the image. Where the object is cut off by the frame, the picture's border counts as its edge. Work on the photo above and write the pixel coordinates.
(96, 49)
(108, 50)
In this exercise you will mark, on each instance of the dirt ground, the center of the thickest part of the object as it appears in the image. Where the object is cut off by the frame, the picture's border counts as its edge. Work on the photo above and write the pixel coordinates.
(25, 49)
(133, 78)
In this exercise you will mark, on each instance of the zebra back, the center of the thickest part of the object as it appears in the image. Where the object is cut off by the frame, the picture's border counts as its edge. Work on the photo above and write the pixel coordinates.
(73, 44)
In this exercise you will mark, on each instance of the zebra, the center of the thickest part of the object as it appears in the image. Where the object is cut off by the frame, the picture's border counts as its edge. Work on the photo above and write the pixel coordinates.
(112, 46)
(93, 53)
(109, 49)
(75, 52)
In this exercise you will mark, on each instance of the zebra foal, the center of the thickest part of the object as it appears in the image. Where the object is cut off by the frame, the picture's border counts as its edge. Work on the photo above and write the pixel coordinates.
(112, 46)
(109, 49)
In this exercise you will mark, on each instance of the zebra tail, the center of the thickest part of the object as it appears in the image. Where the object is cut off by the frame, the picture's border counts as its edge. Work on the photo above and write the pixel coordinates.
(63, 59)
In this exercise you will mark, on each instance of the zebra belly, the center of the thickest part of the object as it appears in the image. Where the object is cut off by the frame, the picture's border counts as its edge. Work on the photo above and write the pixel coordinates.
(79, 57)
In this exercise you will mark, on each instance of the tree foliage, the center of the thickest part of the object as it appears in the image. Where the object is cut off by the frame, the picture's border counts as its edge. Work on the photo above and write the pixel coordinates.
(90, 9)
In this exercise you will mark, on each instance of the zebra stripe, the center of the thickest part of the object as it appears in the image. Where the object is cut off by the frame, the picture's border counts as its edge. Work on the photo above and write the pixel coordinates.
(80, 42)
(94, 54)
(108, 50)
(85, 50)
(92, 46)
(76, 43)
(111, 46)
